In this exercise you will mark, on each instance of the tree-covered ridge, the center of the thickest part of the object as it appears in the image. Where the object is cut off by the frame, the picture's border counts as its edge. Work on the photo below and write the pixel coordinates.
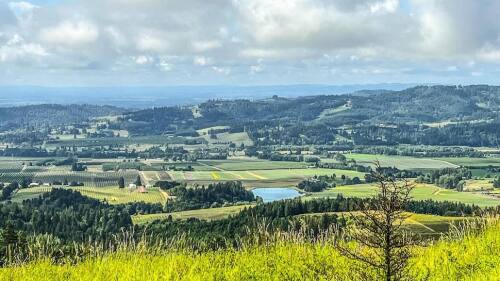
(446, 115)
(41, 116)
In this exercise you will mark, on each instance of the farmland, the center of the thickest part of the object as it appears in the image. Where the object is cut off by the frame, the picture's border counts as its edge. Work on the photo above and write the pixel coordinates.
(204, 214)
(112, 195)
(472, 162)
(421, 192)
(265, 177)
(402, 162)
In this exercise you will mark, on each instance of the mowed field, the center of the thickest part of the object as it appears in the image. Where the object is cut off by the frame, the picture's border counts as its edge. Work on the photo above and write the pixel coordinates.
(472, 162)
(251, 164)
(421, 192)
(112, 195)
(402, 162)
(203, 214)
(276, 177)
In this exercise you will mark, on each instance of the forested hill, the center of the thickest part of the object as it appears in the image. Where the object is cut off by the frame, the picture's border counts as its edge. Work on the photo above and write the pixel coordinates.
(414, 105)
(50, 115)
(467, 115)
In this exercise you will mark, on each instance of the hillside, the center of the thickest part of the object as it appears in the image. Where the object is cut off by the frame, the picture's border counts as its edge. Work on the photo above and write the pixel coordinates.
(446, 115)
(50, 115)
(473, 257)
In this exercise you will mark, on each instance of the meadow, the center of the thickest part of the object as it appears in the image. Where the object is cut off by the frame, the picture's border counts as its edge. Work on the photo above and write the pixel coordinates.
(252, 164)
(402, 162)
(202, 214)
(258, 175)
(421, 192)
(471, 257)
(472, 162)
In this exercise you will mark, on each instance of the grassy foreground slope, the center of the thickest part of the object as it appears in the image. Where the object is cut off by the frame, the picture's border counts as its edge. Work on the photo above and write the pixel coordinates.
(474, 257)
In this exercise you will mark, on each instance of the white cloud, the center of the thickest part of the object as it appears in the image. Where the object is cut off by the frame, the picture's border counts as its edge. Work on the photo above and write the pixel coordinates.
(70, 33)
(152, 43)
(222, 70)
(201, 61)
(142, 60)
(289, 39)
(203, 46)
(23, 11)
(18, 51)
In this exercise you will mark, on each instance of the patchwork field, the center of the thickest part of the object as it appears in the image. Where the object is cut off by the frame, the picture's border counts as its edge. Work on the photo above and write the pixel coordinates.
(278, 177)
(401, 162)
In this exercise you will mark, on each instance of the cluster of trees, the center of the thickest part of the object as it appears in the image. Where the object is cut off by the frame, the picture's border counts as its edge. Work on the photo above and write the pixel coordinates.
(66, 214)
(7, 190)
(447, 178)
(496, 183)
(393, 173)
(420, 151)
(214, 195)
(314, 185)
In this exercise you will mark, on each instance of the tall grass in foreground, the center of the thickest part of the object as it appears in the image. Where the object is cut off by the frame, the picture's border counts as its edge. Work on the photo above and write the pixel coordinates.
(467, 255)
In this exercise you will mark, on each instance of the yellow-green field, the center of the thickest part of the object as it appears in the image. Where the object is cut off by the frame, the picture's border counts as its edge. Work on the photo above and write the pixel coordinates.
(473, 258)
(258, 175)
(202, 214)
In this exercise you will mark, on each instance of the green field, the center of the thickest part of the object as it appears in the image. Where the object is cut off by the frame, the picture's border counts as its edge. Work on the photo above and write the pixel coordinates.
(278, 177)
(112, 195)
(203, 214)
(421, 192)
(472, 162)
(401, 162)
(252, 164)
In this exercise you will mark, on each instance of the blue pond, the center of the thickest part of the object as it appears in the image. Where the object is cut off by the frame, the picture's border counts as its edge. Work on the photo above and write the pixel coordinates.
(275, 194)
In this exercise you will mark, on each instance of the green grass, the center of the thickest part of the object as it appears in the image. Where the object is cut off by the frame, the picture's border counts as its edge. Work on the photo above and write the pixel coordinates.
(252, 164)
(401, 162)
(112, 195)
(473, 258)
(472, 162)
(421, 192)
(202, 214)
(252, 176)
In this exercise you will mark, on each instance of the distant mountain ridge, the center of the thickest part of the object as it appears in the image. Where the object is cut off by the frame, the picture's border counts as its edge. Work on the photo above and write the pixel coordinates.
(147, 97)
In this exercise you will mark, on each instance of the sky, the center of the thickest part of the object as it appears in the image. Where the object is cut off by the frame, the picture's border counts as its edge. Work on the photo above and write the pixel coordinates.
(248, 42)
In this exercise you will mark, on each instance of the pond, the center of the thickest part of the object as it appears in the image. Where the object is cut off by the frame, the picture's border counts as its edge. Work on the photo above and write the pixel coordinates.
(275, 194)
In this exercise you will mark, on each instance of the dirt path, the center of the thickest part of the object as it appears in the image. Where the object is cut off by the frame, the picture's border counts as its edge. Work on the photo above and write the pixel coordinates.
(238, 176)
(437, 191)
(257, 176)
(420, 224)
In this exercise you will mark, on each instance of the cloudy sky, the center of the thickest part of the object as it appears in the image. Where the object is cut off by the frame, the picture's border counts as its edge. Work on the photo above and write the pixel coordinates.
(248, 42)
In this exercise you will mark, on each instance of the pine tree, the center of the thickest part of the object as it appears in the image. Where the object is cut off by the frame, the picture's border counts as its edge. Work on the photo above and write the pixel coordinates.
(121, 183)
(138, 181)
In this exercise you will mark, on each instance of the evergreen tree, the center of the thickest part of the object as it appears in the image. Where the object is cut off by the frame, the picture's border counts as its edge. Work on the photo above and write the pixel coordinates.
(121, 182)
(138, 181)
